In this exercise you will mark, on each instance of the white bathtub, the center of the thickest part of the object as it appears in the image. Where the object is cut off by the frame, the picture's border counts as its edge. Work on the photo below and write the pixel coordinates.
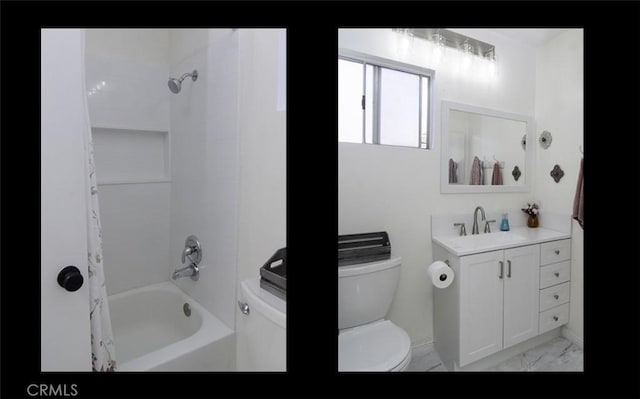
(152, 332)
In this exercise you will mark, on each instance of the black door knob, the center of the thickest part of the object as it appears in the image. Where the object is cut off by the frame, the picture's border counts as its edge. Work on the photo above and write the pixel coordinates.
(70, 278)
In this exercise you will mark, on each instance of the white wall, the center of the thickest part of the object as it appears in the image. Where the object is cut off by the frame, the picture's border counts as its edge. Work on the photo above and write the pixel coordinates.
(183, 43)
(559, 110)
(398, 189)
(135, 234)
(133, 64)
(262, 222)
(204, 145)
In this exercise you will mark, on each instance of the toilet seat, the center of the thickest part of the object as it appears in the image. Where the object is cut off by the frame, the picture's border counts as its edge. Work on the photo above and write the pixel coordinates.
(377, 346)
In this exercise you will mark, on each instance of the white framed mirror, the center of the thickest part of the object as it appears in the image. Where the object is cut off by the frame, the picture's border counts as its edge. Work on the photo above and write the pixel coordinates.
(474, 139)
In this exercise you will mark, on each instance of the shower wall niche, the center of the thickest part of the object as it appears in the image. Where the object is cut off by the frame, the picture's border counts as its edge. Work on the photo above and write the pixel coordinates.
(128, 100)
(129, 156)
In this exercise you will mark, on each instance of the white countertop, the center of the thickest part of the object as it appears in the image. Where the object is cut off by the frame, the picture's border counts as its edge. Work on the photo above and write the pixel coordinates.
(516, 237)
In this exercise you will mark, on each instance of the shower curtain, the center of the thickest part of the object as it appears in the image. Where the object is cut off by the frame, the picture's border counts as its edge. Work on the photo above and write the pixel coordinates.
(102, 345)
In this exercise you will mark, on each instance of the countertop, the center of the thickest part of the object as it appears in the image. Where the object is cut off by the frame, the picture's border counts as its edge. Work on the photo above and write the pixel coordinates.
(516, 237)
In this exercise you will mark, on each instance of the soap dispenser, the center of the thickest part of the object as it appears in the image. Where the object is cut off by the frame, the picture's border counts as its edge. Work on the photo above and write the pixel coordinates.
(504, 226)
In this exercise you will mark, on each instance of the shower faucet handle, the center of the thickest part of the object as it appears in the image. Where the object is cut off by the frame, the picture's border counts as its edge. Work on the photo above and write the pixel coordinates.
(192, 250)
(187, 251)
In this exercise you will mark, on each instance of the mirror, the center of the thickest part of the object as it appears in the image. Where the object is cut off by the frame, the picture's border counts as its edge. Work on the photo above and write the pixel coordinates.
(491, 136)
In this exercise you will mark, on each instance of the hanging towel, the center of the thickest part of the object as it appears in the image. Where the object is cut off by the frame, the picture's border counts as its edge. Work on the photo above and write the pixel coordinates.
(578, 201)
(496, 178)
(453, 171)
(476, 172)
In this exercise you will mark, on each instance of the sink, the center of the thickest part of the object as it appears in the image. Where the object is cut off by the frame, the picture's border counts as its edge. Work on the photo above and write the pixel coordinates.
(445, 235)
(477, 242)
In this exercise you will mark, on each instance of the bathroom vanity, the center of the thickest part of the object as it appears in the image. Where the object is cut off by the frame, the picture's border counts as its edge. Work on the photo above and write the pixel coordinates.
(510, 293)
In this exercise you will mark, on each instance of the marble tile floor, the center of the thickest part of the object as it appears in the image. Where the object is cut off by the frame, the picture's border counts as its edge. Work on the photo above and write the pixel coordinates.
(559, 354)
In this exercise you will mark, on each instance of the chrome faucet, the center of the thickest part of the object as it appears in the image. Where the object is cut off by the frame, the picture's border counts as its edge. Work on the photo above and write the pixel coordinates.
(188, 252)
(192, 251)
(188, 271)
(474, 229)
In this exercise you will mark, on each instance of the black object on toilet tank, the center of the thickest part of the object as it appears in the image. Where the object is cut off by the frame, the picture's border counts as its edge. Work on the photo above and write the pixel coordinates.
(363, 248)
(273, 274)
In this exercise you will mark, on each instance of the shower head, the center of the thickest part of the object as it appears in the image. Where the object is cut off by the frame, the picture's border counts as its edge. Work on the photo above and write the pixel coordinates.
(176, 84)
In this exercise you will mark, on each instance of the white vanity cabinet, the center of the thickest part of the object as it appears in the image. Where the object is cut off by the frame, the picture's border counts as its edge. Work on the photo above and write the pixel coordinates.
(499, 299)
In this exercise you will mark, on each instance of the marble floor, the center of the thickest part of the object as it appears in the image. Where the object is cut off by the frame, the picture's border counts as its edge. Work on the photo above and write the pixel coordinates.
(559, 354)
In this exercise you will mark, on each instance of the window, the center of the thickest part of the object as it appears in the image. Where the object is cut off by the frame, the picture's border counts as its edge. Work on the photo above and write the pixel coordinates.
(383, 102)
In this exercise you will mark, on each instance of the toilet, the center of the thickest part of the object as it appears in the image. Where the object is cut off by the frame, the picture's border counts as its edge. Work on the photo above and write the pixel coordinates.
(366, 341)
(261, 329)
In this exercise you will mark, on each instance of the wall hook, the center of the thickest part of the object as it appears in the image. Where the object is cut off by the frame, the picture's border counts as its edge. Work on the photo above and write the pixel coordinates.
(557, 173)
(545, 139)
(516, 172)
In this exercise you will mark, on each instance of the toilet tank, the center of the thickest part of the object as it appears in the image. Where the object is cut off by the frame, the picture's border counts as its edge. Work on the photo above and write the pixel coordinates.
(262, 334)
(366, 291)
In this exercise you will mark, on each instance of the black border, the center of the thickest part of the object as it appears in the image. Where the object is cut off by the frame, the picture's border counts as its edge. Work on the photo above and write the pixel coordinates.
(611, 134)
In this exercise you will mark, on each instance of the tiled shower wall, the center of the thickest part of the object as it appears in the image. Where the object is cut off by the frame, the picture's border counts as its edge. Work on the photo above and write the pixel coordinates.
(126, 77)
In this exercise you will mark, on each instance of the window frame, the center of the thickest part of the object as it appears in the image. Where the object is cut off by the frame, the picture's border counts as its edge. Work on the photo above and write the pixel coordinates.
(377, 63)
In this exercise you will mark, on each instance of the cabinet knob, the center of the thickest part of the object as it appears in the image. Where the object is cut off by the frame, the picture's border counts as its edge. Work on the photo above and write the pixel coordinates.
(557, 251)
(70, 278)
(557, 274)
(555, 318)
(556, 296)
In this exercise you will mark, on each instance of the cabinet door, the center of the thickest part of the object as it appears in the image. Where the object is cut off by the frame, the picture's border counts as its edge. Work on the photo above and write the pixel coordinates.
(521, 295)
(480, 305)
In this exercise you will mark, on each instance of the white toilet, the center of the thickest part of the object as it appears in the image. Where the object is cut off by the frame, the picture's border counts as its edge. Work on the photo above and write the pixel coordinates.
(366, 341)
(262, 329)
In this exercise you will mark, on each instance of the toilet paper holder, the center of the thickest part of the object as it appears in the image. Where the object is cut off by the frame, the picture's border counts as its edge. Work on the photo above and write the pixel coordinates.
(444, 277)
(440, 273)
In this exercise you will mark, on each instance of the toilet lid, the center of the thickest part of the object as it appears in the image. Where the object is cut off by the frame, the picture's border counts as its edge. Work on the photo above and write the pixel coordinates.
(379, 346)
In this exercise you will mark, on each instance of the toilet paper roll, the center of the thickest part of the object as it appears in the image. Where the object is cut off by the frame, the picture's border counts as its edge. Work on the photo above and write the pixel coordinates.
(440, 274)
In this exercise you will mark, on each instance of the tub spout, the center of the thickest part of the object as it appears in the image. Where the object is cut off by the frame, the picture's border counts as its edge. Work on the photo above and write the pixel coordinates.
(188, 271)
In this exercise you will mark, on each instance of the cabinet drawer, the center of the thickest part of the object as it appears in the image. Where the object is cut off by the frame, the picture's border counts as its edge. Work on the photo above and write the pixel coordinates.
(555, 251)
(554, 274)
(554, 296)
(554, 317)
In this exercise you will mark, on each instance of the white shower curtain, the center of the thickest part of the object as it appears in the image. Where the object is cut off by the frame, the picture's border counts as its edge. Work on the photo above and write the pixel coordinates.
(102, 345)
